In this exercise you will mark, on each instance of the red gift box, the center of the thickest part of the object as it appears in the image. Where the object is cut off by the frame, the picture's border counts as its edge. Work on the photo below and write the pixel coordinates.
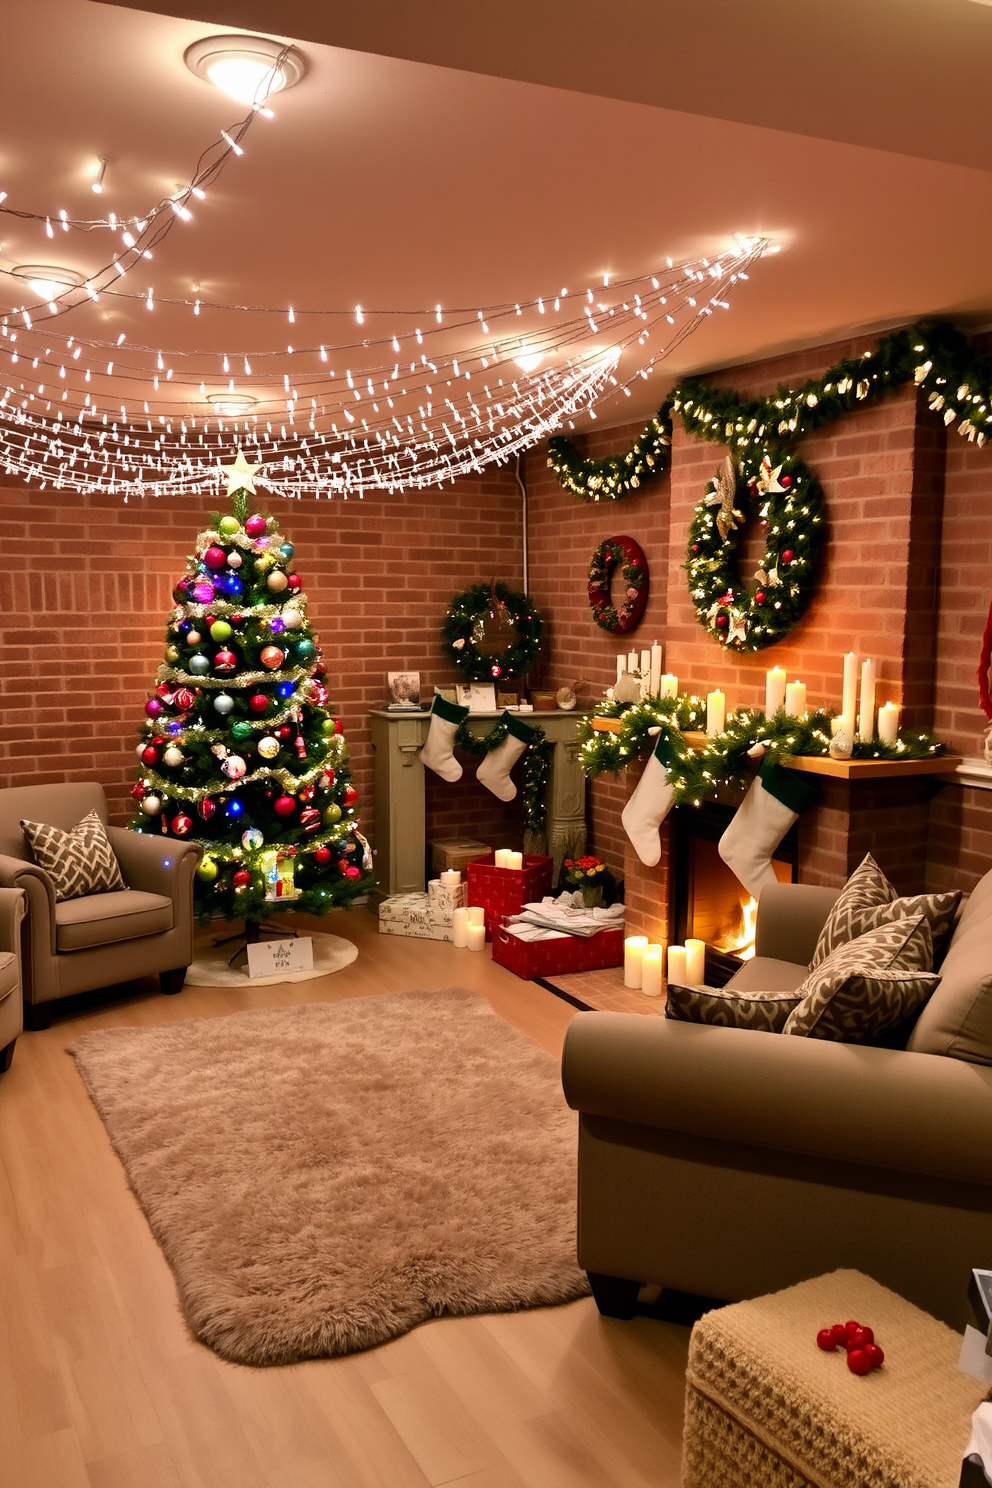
(505, 891)
(543, 958)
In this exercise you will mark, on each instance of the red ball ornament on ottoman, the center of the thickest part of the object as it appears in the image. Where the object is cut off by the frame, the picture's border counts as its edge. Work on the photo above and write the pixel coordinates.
(284, 806)
(272, 657)
(215, 557)
(149, 755)
(242, 878)
(350, 795)
(255, 526)
(153, 707)
(258, 702)
(182, 825)
(310, 819)
(322, 855)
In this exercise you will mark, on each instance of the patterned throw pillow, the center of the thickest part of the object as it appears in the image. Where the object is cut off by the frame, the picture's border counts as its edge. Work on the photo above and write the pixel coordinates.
(868, 901)
(78, 862)
(722, 1006)
(867, 985)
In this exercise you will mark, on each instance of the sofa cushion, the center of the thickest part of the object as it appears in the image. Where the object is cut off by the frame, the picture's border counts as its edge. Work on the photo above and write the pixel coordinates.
(727, 1007)
(868, 900)
(102, 919)
(8, 974)
(869, 985)
(78, 862)
(767, 974)
(957, 1021)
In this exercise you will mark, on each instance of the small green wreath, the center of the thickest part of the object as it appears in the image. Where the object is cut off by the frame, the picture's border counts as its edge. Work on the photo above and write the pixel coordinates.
(791, 509)
(634, 571)
(491, 633)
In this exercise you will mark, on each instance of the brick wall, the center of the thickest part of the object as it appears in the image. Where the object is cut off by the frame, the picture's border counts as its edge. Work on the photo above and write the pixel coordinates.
(86, 587)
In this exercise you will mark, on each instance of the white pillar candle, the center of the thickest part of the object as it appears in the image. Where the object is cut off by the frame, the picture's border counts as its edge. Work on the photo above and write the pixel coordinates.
(866, 716)
(676, 965)
(633, 953)
(716, 712)
(646, 665)
(476, 914)
(651, 971)
(477, 937)
(451, 876)
(888, 723)
(621, 665)
(669, 685)
(836, 724)
(849, 701)
(502, 853)
(656, 655)
(795, 699)
(515, 860)
(459, 929)
(695, 962)
(632, 661)
(774, 691)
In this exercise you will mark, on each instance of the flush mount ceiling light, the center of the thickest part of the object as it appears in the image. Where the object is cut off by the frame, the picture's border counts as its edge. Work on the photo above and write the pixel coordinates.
(48, 280)
(529, 361)
(231, 405)
(246, 68)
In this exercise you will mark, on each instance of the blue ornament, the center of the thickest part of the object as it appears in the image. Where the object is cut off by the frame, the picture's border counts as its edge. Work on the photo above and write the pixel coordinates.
(232, 586)
(286, 689)
(199, 665)
(234, 808)
(287, 550)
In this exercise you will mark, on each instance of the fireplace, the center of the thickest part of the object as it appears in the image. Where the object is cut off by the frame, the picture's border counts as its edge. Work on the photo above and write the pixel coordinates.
(709, 902)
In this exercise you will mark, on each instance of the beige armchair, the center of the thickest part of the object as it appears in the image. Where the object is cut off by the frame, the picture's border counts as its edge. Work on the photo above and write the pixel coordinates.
(99, 940)
(11, 1006)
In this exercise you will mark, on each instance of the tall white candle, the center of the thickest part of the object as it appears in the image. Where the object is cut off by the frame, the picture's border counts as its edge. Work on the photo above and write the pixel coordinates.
(888, 723)
(849, 702)
(633, 954)
(646, 665)
(716, 712)
(676, 965)
(651, 971)
(477, 937)
(621, 665)
(669, 685)
(866, 716)
(656, 655)
(774, 691)
(476, 914)
(795, 699)
(632, 661)
(515, 860)
(459, 929)
(695, 962)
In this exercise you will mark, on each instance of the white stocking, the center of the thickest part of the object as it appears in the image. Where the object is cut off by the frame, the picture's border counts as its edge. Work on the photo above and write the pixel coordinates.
(649, 805)
(438, 753)
(494, 772)
(775, 800)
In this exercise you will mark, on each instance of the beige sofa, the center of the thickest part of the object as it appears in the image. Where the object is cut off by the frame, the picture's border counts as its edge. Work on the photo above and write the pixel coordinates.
(729, 1163)
(11, 1007)
(99, 940)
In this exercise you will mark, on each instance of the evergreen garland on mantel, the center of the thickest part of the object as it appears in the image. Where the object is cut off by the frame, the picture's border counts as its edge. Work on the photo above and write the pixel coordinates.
(938, 358)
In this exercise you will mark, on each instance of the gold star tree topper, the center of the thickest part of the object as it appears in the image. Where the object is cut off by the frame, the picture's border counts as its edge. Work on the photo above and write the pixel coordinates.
(241, 475)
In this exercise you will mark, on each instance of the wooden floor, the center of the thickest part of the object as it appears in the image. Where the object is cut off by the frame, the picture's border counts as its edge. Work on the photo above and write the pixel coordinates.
(101, 1385)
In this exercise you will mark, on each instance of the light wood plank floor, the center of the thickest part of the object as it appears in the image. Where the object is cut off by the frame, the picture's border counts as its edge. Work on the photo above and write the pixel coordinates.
(101, 1385)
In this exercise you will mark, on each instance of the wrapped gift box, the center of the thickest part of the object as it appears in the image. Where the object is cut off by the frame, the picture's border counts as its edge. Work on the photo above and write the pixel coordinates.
(505, 891)
(415, 916)
(447, 897)
(558, 957)
(455, 852)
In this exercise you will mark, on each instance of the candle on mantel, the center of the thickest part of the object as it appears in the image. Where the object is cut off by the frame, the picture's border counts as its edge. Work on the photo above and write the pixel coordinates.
(656, 655)
(676, 965)
(849, 701)
(695, 962)
(669, 685)
(646, 665)
(888, 723)
(651, 971)
(476, 914)
(477, 937)
(621, 665)
(632, 661)
(459, 929)
(774, 691)
(633, 954)
(716, 713)
(866, 716)
(795, 699)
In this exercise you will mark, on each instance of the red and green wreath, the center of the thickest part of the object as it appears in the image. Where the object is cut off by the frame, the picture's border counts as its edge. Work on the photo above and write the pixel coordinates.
(622, 551)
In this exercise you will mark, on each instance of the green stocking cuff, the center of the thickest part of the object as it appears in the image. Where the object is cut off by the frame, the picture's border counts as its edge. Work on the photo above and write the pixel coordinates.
(789, 787)
(518, 729)
(450, 712)
(664, 751)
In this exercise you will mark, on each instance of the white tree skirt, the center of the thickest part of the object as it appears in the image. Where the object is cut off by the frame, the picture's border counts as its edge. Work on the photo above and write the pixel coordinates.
(210, 969)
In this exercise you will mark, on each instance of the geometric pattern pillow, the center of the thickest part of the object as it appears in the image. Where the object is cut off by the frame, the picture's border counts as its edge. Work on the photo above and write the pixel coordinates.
(847, 921)
(867, 985)
(78, 862)
(867, 888)
(725, 1008)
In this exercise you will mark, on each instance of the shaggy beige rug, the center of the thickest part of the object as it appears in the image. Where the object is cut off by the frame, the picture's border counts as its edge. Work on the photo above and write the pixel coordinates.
(323, 1178)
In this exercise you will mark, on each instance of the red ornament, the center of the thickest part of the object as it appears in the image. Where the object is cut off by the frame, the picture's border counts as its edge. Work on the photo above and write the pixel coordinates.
(826, 1341)
(258, 702)
(785, 481)
(306, 792)
(860, 1338)
(343, 865)
(284, 806)
(840, 1334)
(149, 755)
(329, 777)
(320, 670)
(497, 671)
(236, 619)
(858, 1362)
(752, 484)
(851, 1327)
(206, 807)
(875, 1356)
(138, 791)
(255, 526)
(310, 819)
(294, 581)
(215, 558)
(353, 873)
(272, 657)
(788, 555)
(301, 747)
(338, 726)
(182, 825)
(721, 622)
(695, 547)
(318, 694)
(322, 855)
(242, 879)
(184, 700)
(225, 662)
(350, 795)
(153, 707)
(760, 597)
(165, 692)
(284, 731)
(158, 740)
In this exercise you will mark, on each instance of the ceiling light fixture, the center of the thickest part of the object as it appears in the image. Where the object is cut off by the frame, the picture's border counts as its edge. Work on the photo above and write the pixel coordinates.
(101, 172)
(529, 361)
(246, 68)
(48, 280)
(231, 405)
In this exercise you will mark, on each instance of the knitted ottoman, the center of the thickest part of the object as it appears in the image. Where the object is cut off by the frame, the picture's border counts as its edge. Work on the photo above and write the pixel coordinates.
(765, 1406)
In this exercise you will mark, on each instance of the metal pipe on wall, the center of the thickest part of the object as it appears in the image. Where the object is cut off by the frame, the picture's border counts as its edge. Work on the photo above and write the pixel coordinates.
(523, 521)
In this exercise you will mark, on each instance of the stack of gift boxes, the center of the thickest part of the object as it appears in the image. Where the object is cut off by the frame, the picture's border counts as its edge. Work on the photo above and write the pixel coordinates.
(427, 916)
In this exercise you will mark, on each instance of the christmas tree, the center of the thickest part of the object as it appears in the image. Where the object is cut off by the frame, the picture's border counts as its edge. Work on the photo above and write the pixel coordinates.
(239, 750)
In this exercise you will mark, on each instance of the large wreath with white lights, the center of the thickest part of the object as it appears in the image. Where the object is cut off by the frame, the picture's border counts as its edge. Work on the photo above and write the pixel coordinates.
(626, 553)
(491, 633)
(790, 507)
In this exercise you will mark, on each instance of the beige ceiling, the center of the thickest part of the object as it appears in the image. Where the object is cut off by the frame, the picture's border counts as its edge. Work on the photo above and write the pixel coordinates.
(540, 146)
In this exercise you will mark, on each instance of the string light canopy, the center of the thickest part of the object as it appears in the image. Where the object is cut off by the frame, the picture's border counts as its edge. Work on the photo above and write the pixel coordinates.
(402, 399)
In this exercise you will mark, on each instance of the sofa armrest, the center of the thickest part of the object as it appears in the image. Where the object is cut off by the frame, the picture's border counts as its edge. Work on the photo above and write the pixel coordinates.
(13, 903)
(15, 873)
(155, 865)
(790, 918)
(919, 1113)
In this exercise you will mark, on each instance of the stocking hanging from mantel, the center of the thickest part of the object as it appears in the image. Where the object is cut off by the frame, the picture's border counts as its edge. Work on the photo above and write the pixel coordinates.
(438, 753)
(777, 798)
(650, 804)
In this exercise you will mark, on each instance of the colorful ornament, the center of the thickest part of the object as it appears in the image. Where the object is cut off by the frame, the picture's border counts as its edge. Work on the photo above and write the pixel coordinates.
(241, 729)
(272, 657)
(225, 662)
(329, 778)
(284, 806)
(138, 790)
(350, 795)
(258, 702)
(151, 805)
(322, 855)
(233, 809)
(352, 872)
(203, 591)
(234, 559)
(199, 664)
(172, 654)
(268, 747)
(284, 732)
(220, 631)
(305, 649)
(228, 526)
(207, 870)
(332, 814)
(328, 725)
(306, 792)
(294, 581)
(206, 807)
(223, 703)
(252, 839)
(182, 824)
(292, 619)
(193, 637)
(149, 755)
(310, 819)
(276, 581)
(234, 767)
(242, 878)
(173, 757)
(153, 707)
(215, 557)
(256, 525)
(287, 550)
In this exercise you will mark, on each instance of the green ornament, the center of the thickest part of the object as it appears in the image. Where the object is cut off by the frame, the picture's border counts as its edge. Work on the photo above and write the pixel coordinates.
(305, 649)
(220, 631)
(172, 655)
(207, 870)
(241, 730)
(332, 814)
(228, 526)
(327, 726)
